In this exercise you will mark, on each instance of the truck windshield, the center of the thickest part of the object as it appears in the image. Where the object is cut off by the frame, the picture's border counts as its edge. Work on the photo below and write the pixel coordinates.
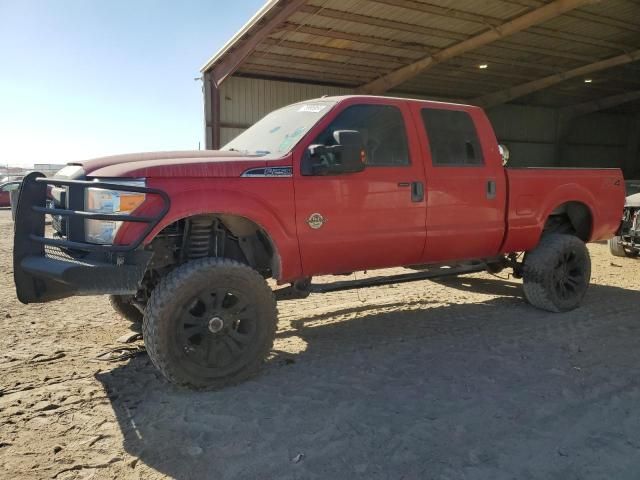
(280, 131)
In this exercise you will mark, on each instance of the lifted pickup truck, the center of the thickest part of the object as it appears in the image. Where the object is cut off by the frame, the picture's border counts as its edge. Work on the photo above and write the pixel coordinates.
(328, 186)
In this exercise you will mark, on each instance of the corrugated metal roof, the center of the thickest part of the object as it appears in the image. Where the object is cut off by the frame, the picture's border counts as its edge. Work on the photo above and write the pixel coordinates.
(352, 42)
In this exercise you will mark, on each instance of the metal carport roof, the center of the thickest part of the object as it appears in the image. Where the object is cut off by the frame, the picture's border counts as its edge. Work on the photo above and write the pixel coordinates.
(554, 53)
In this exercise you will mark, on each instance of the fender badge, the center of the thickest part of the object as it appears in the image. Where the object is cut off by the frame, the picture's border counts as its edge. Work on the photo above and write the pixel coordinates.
(315, 221)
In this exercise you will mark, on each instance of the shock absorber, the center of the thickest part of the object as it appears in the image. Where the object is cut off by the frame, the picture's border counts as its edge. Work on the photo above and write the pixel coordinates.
(199, 237)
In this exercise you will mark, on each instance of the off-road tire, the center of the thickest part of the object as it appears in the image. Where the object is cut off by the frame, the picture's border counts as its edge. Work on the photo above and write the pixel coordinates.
(164, 328)
(547, 270)
(122, 305)
(618, 250)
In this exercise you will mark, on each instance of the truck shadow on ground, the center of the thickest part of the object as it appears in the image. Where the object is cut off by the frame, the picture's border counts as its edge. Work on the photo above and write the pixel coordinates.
(488, 390)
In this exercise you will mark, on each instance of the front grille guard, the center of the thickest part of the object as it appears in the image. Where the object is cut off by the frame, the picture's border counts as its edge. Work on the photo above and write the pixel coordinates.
(31, 211)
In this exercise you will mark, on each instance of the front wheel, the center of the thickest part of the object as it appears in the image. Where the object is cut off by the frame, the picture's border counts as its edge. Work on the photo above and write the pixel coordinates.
(556, 273)
(210, 323)
(617, 249)
(123, 305)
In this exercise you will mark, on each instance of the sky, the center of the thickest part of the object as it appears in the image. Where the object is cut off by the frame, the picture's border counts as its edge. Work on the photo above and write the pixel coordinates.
(86, 78)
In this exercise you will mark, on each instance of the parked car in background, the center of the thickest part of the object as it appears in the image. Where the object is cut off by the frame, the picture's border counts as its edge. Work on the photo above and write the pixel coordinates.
(627, 242)
(5, 192)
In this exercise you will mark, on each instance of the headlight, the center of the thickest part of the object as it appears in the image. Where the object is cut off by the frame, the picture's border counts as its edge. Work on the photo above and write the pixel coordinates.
(101, 200)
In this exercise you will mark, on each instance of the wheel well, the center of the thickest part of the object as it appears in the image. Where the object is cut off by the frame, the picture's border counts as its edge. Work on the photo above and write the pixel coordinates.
(216, 235)
(572, 218)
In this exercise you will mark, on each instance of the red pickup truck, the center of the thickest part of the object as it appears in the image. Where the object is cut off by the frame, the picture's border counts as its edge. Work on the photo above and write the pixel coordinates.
(186, 240)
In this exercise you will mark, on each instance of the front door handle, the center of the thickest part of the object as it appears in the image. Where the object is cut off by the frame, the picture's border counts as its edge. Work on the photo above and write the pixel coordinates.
(491, 189)
(417, 191)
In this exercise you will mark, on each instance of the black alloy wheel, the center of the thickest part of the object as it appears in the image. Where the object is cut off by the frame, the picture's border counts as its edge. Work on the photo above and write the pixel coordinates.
(556, 273)
(217, 328)
(210, 323)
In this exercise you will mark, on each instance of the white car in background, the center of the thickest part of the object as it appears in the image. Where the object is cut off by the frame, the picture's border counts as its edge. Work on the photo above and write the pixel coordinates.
(627, 242)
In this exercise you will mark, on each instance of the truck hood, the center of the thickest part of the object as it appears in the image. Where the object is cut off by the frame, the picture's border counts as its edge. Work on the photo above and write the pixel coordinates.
(197, 163)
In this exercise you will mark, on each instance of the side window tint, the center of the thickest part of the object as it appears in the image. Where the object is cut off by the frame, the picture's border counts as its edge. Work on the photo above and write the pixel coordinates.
(452, 138)
(382, 129)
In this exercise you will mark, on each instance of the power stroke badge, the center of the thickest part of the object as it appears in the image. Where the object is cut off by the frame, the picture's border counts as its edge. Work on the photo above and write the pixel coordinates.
(315, 221)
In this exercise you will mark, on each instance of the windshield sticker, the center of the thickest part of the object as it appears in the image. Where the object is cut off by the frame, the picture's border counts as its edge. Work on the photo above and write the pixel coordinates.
(297, 132)
(312, 108)
(290, 138)
(285, 144)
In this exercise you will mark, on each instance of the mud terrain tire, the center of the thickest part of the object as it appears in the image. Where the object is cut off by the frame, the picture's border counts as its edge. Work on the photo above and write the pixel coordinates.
(122, 305)
(617, 250)
(556, 273)
(210, 323)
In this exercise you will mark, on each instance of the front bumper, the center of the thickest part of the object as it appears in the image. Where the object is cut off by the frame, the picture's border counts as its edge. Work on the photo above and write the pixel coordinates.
(48, 268)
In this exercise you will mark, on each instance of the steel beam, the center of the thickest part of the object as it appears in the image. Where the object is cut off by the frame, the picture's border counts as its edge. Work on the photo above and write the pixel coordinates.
(534, 17)
(211, 95)
(600, 104)
(382, 22)
(596, 18)
(508, 94)
(447, 12)
(245, 46)
(328, 13)
(355, 37)
(338, 51)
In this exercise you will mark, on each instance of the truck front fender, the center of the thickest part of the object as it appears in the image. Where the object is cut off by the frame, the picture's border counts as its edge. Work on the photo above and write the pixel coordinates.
(272, 210)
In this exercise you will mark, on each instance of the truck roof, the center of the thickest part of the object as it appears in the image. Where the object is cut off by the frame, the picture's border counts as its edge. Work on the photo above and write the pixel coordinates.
(341, 98)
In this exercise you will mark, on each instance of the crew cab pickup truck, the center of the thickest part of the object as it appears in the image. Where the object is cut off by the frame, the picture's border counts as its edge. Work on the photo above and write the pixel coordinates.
(185, 241)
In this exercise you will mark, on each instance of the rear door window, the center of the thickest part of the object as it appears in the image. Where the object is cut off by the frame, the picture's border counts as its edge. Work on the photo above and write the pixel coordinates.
(453, 138)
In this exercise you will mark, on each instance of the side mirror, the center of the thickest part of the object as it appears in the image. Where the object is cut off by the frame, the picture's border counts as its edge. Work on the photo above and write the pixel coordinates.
(348, 156)
(504, 153)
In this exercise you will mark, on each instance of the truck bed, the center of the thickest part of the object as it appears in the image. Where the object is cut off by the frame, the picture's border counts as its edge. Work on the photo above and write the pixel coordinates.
(535, 193)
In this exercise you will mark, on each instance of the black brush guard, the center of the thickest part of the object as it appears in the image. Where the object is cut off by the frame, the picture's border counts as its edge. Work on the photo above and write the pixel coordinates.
(46, 269)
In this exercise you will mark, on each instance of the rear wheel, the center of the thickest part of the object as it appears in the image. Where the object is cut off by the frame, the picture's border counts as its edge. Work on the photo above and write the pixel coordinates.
(556, 273)
(210, 323)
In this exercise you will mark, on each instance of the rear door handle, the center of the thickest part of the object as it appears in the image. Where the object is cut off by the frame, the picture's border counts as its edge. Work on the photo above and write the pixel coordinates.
(491, 189)
(417, 191)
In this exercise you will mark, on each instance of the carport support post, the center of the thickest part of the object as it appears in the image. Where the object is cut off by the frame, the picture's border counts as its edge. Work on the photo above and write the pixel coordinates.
(211, 94)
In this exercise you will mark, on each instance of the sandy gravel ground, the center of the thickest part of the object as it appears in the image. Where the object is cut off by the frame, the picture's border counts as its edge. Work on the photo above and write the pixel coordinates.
(452, 380)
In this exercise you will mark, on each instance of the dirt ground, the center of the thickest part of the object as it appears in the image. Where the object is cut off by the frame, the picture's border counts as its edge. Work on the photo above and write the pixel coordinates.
(458, 379)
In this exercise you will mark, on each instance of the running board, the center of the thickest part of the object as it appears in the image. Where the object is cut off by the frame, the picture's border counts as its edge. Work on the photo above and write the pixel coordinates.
(292, 293)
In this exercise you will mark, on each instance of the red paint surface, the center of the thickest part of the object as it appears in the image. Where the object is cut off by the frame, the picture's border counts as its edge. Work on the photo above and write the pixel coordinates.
(4, 199)
(370, 221)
